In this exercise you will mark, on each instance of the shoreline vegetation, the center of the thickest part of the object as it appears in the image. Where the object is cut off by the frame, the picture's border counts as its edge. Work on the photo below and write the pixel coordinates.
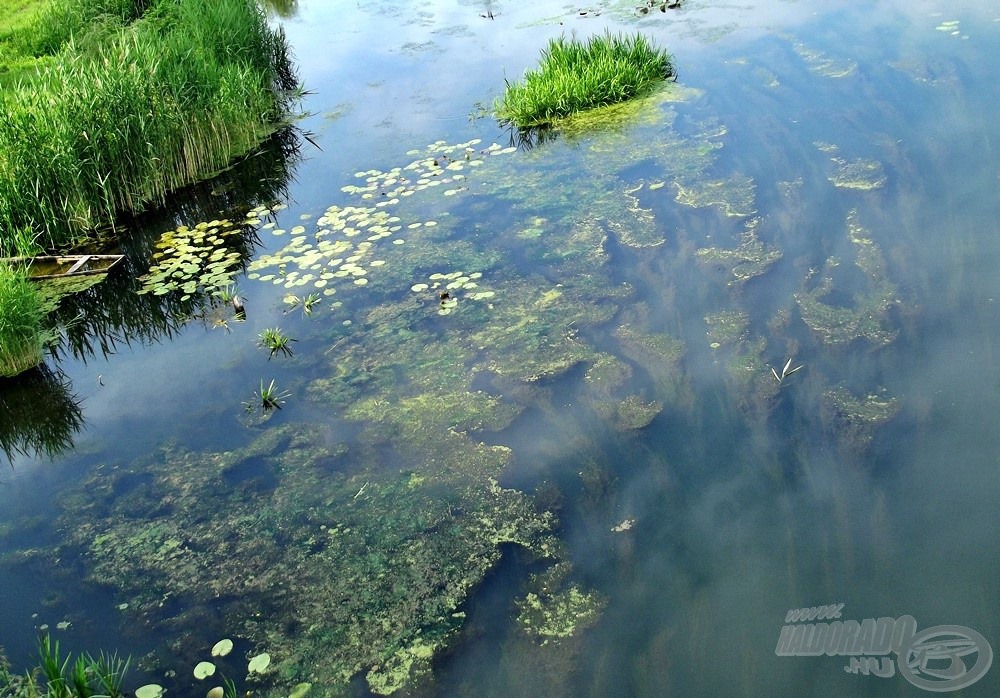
(575, 76)
(106, 106)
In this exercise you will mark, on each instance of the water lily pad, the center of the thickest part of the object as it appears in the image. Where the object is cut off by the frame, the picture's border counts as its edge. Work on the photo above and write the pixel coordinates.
(259, 664)
(203, 670)
(222, 648)
(150, 690)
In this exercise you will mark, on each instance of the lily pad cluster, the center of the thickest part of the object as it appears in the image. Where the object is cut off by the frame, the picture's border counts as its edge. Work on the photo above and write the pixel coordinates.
(448, 286)
(193, 260)
(344, 245)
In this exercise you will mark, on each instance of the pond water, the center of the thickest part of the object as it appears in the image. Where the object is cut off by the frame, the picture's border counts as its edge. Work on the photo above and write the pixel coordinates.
(581, 472)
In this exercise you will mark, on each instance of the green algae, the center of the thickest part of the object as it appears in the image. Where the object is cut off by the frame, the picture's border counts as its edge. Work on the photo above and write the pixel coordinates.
(741, 356)
(867, 315)
(855, 417)
(554, 610)
(358, 572)
(858, 174)
(734, 194)
(633, 413)
(624, 115)
(726, 327)
(750, 259)
(52, 291)
(607, 374)
(819, 62)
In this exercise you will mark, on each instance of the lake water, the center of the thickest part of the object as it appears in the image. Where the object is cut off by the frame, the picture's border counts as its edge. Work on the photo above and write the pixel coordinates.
(581, 472)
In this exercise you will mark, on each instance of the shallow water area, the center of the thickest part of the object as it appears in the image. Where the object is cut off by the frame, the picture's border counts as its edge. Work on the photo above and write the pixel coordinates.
(589, 414)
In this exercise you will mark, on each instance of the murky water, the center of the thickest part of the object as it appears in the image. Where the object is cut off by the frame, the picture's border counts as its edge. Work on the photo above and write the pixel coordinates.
(577, 474)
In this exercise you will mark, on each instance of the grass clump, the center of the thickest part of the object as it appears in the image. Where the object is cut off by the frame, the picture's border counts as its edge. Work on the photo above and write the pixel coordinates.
(574, 76)
(276, 341)
(54, 677)
(22, 336)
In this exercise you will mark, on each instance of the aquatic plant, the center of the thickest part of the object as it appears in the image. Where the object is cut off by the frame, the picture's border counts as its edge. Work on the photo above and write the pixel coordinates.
(271, 398)
(867, 314)
(750, 259)
(574, 76)
(309, 302)
(197, 259)
(22, 335)
(274, 340)
(86, 677)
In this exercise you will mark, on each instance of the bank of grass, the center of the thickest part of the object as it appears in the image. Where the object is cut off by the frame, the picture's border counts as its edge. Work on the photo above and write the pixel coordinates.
(108, 105)
(140, 98)
(21, 317)
(574, 76)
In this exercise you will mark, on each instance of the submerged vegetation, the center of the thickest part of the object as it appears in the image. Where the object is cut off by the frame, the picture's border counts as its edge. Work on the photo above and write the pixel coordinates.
(575, 76)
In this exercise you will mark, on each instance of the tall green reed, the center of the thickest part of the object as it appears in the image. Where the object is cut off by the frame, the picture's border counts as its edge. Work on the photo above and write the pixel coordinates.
(22, 335)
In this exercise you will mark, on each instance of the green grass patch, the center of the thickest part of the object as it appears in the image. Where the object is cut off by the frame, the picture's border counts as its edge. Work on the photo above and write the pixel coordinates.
(22, 336)
(136, 98)
(574, 76)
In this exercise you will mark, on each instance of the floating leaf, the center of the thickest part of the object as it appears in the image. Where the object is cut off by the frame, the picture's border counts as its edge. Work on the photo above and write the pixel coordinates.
(222, 648)
(259, 664)
(203, 670)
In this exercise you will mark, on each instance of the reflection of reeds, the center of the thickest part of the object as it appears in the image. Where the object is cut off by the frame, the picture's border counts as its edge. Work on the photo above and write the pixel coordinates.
(38, 414)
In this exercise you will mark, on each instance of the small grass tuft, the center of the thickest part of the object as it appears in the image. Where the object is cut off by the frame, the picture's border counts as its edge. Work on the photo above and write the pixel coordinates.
(271, 398)
(276, 341)
(574, 76)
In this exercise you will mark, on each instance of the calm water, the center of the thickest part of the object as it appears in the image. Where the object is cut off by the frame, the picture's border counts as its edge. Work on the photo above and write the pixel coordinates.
(820, 185)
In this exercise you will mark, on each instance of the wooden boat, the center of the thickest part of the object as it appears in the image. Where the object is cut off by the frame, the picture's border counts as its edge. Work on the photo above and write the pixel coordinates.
(57, 267)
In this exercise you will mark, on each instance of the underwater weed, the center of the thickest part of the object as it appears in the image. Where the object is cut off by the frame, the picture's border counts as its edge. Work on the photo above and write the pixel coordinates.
(276, 341)
(574, 76)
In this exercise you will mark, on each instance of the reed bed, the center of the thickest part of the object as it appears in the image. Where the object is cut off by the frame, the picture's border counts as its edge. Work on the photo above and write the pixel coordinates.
(21, 316)
(142, 98)
(574, 76)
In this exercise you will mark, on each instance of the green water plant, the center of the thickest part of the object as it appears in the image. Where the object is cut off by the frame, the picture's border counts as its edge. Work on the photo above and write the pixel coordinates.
(22, 336)
(574, 76)
(271, 397)
(274, 340)
(84, 677)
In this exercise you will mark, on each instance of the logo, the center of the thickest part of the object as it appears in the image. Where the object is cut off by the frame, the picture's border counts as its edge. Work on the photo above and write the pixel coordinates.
(942, 658)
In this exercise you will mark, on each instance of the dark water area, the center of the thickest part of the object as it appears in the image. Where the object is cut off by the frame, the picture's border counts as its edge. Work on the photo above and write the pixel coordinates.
(818, 188)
